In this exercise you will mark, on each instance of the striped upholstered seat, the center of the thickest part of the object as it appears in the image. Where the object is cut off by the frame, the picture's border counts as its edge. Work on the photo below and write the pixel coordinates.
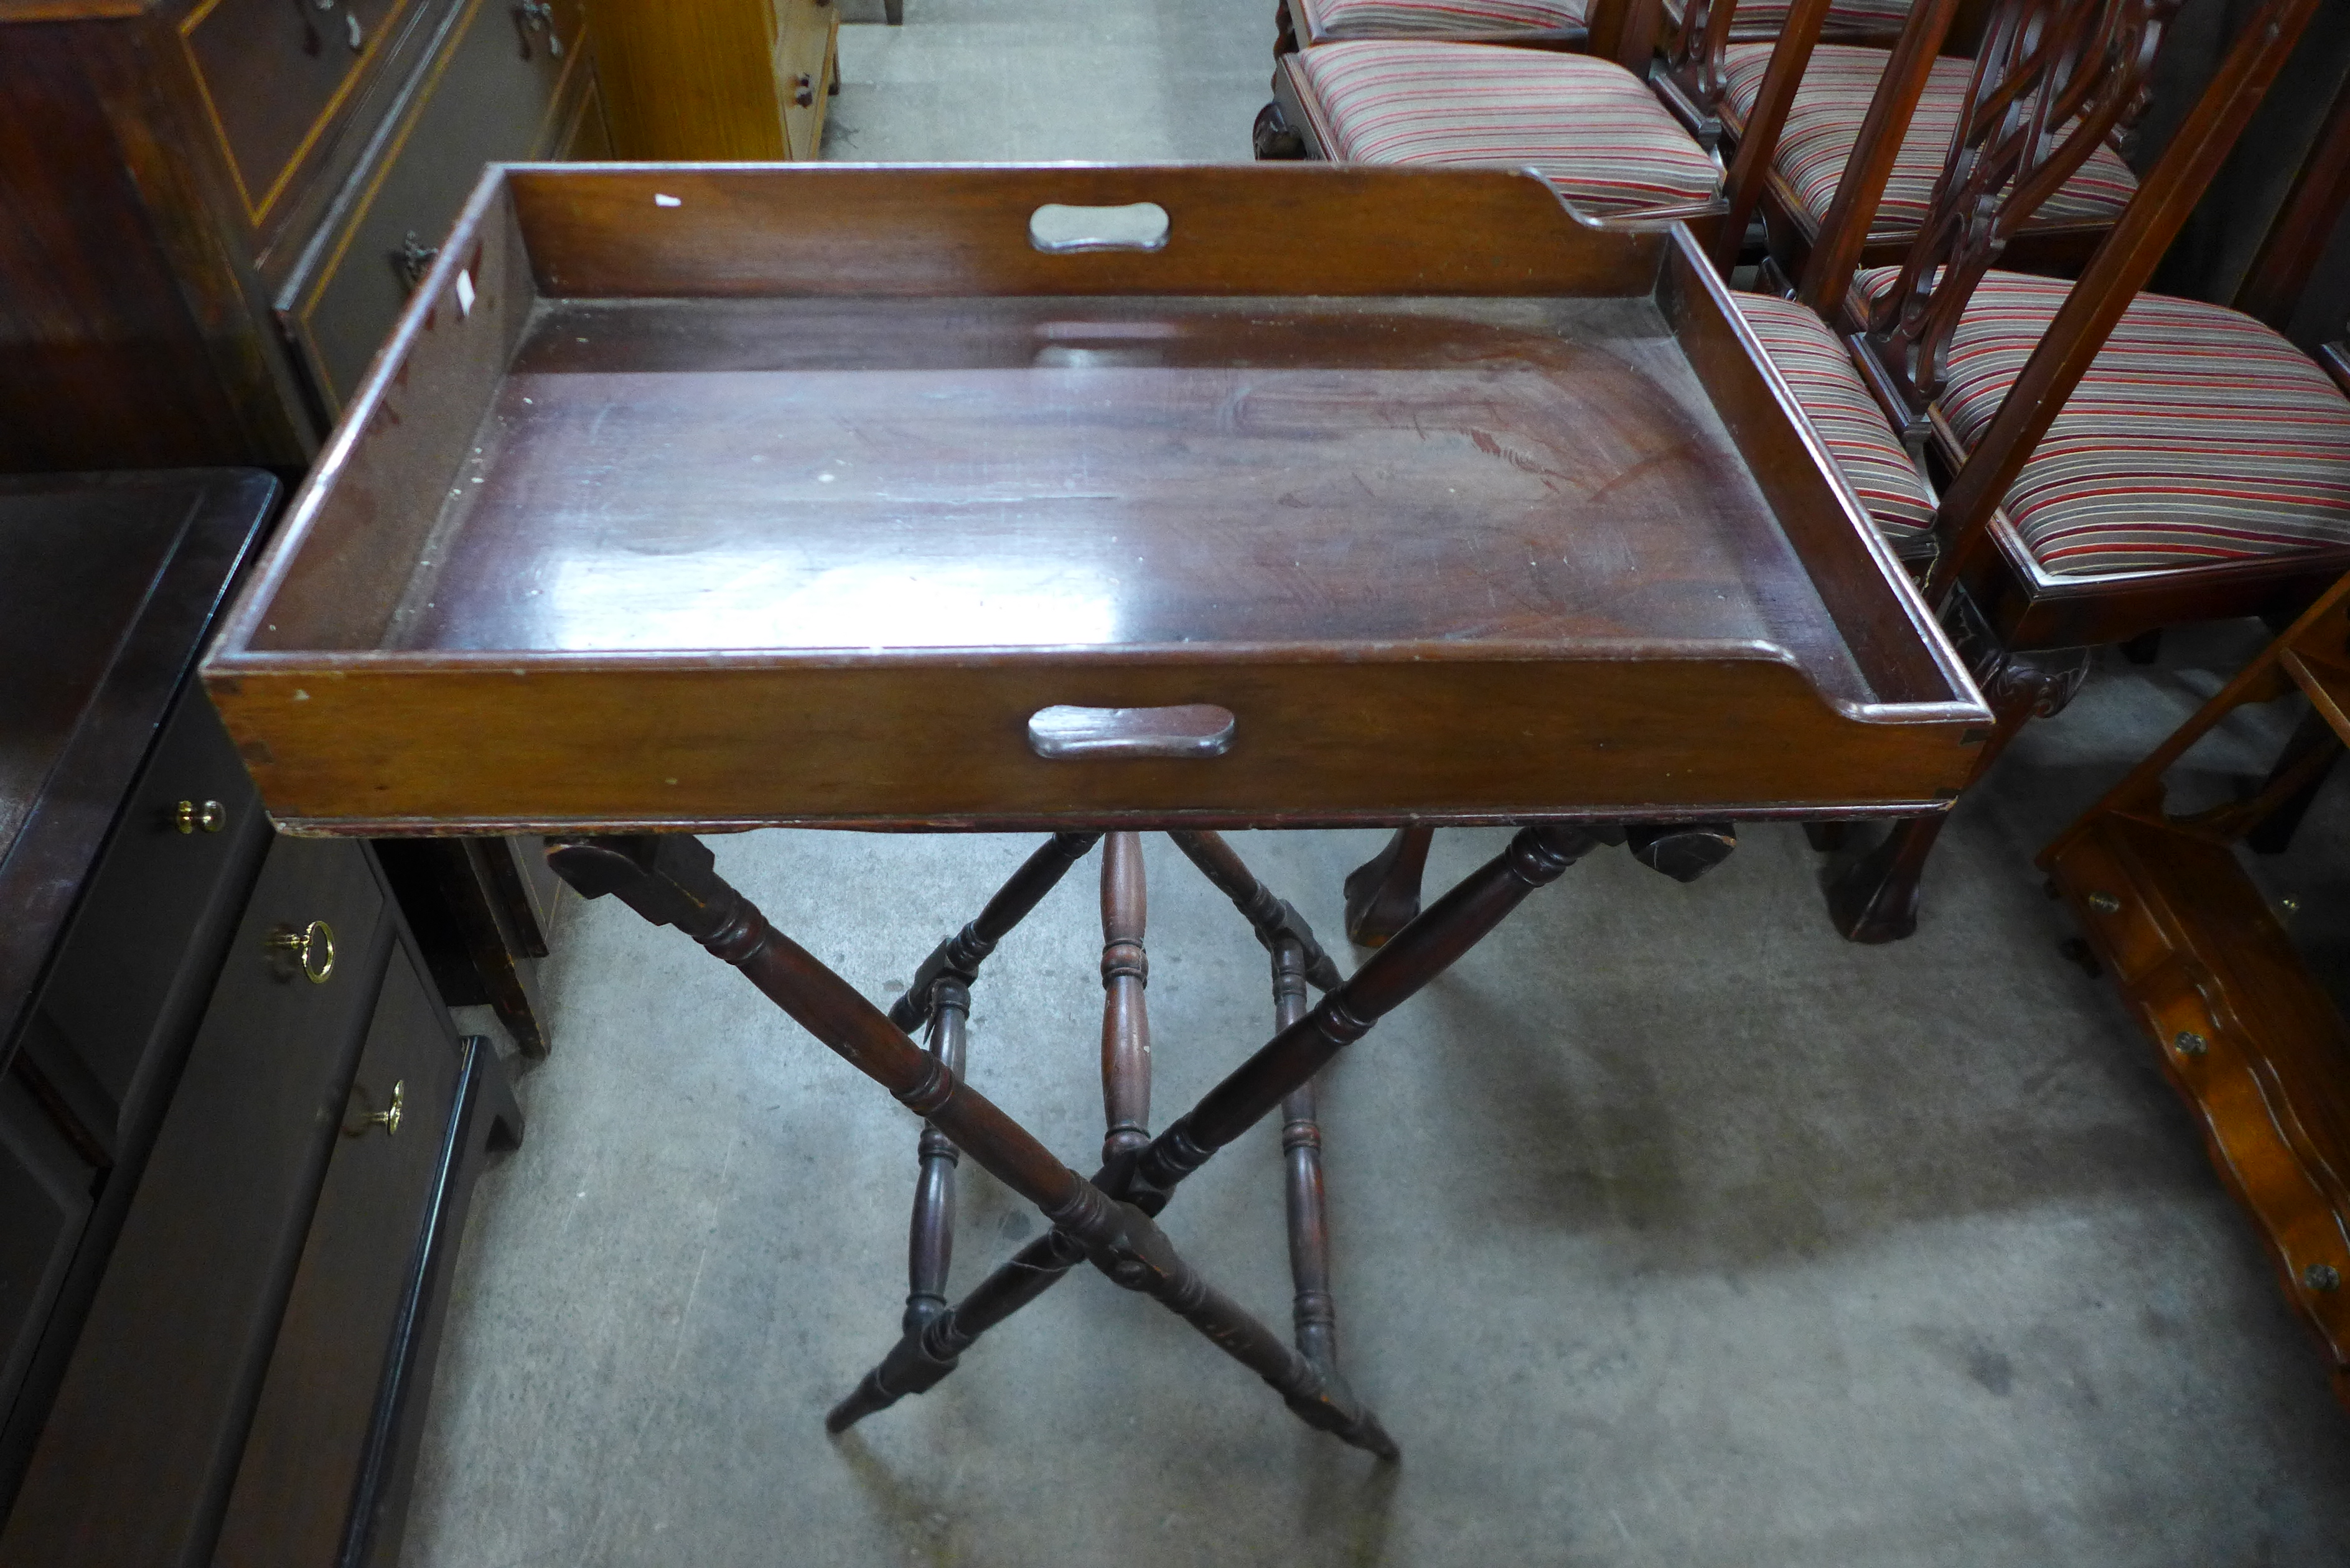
(1763, 18)
(2199, 436)
(1332, 21)
(1828, 386)
(1824, 121)
(1588, 126)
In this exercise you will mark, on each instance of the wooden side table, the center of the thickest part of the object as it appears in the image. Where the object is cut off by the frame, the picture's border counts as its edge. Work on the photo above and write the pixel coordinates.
(2244, 1030)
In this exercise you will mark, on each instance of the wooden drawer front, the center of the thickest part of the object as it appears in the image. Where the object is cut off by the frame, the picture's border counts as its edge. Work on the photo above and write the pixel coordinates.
(2112, 907)
(294, 1488)
(45, 1196)
(136, 965)
(142, 1441)
(496, 92)
(274, 74)
(804, 30)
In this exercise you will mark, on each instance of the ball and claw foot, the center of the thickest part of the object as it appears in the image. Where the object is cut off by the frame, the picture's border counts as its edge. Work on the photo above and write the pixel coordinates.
(1274, 140)
(1383, 893)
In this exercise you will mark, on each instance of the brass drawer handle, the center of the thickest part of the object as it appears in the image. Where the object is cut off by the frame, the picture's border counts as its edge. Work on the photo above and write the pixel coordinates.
(312, 946)
(390, 1119)
(538, 16)
(413, 260)
(212, 816)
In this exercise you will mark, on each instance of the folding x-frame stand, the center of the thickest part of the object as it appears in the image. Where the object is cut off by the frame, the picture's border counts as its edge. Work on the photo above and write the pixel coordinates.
(1109, 1220)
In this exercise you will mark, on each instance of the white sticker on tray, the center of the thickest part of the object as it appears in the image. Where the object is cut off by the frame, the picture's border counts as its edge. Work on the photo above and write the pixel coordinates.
(464, 292)
(660, 200)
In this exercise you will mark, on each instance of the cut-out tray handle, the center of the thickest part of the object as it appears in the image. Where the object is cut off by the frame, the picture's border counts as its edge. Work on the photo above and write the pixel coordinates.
(1192, 729)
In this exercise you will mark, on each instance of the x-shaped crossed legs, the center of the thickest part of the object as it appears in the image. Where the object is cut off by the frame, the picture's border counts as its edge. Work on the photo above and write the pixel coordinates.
(670, 880)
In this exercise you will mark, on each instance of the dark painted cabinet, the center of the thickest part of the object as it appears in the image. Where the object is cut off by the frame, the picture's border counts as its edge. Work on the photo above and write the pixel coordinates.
(238, 1132)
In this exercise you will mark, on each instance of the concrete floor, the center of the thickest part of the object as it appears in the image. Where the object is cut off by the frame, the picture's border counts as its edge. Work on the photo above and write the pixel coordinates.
(1669, 1228)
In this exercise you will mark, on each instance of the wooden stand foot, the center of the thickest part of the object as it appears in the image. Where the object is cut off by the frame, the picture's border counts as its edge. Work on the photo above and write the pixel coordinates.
(1383, 893)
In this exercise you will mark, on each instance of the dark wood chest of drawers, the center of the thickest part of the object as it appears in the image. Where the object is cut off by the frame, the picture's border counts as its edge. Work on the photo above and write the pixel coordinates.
(210, 210)
(237, 1130)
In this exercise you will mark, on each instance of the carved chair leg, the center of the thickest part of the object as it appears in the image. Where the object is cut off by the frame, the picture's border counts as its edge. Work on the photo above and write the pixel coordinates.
(1422, 951)
(930, 1245)
(1876, 898)
(672, 880)
(1273, 138)
(1276, 919)
(961, 954)
(1126, 1019)
(1683, 851)
(1383, 893)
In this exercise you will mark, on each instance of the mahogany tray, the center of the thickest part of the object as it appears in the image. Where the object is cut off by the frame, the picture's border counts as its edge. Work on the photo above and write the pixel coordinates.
(694, 496)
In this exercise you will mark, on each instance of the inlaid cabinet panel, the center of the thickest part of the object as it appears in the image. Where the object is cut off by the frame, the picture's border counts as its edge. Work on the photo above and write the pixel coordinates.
(504, 87)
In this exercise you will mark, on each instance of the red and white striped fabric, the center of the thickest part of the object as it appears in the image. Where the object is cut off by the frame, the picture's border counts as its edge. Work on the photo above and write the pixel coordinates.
(1588, 126)
(1330, 21)
(1824, 121)
(2199, 435)
(1763, 18)
(1820, 372)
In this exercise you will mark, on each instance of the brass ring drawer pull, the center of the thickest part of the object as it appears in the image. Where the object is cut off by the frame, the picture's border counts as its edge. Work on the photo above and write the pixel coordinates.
(313, 947)
(212, 816)
(390, 1119)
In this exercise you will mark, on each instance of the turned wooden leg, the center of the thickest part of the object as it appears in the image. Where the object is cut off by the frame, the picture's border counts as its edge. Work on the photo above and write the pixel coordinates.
(1311, 1308)
(961, 954)
(672, 880)
(1275, 919)
(1420, 952)
(930, 1246)
(1383, 893)
(1876, 898)
(1285, 31)
(1126, 1018)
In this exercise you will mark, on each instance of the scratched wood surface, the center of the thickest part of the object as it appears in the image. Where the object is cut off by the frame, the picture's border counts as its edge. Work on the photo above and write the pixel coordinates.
(1492, 514)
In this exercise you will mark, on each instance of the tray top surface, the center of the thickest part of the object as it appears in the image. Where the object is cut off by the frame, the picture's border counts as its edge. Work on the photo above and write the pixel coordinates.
(810, 475)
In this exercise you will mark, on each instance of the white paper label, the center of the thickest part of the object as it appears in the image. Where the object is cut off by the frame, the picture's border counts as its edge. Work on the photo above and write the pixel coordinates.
(464, 292)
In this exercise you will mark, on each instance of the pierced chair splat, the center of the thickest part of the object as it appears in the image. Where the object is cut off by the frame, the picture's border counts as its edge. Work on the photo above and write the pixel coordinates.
(2121, 460)
(1914, 103)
